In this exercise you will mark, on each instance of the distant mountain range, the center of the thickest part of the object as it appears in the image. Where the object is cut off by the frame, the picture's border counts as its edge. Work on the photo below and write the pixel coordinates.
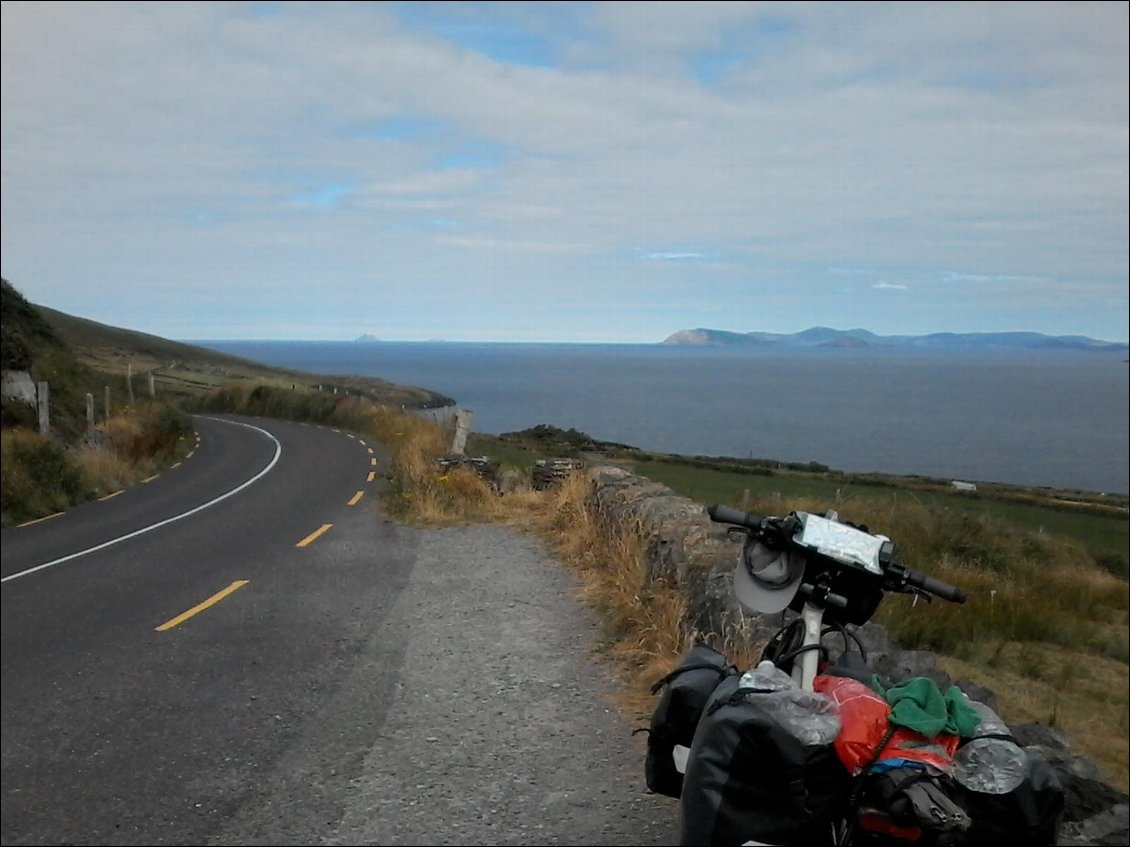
(822, 336)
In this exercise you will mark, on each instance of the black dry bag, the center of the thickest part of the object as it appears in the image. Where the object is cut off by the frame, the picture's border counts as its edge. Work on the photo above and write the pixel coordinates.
(685, 692)
(1016, 799)
(749, 779)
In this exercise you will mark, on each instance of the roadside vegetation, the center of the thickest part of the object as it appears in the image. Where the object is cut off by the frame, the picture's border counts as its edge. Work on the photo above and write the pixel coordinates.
(45, 473)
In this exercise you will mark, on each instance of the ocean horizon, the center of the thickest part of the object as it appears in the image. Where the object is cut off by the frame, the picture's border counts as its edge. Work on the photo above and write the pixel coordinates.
(1045, 418)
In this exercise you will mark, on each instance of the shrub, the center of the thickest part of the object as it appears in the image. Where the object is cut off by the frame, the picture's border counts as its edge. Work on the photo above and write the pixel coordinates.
(37, 477)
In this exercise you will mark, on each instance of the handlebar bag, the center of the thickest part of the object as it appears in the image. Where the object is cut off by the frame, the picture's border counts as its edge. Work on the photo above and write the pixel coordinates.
(749, 779)
(686, 691)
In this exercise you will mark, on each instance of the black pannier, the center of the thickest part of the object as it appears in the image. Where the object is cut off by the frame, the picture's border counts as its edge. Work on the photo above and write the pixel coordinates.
(749, 779)
(1030, 813)
(685, 692)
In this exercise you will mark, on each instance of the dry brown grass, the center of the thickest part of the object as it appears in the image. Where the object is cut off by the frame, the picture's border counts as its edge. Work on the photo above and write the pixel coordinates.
(643, 635)
(421, 493)
(104, 471)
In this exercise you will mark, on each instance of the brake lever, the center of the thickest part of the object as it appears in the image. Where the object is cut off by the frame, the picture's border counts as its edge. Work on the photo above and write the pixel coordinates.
(917, 592)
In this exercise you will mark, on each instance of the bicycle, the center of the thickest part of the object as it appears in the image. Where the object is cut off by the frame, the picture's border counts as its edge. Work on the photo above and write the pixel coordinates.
(773, 759)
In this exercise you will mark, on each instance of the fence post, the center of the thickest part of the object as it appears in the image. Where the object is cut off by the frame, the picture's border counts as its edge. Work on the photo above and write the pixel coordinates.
(106, 392)
(129, 383)
(41, 398)
(89, 415)
(462, 427)
(152, 387)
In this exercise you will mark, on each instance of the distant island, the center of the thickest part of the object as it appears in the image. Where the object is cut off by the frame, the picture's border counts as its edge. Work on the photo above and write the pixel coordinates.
(365, 339)
(822, 336)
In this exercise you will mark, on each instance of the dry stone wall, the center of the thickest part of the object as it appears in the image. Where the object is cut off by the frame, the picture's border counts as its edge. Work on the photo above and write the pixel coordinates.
(686, 550)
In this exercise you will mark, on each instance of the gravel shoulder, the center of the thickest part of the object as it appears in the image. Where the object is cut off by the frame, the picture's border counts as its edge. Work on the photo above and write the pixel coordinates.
(500, 729)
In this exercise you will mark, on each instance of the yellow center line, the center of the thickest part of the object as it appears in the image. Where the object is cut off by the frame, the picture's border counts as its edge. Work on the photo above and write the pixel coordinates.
(362, 442)
(370, 449)
(40, 520)
(195, 610)
(373, 462)
(115, 494)
(372, 476)
(314, 535)
(356, 498)
(150, 478)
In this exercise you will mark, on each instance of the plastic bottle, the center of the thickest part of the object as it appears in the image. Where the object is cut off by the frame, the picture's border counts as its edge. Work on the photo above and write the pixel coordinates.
(767, 677)
(992, 762)
(811, 718)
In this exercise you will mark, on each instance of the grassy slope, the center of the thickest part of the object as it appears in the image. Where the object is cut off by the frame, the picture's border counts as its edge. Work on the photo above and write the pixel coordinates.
(187, 370)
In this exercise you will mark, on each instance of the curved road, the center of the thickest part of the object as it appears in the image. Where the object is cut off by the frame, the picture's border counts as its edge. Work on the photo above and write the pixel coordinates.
(243, 651)
(133, 711)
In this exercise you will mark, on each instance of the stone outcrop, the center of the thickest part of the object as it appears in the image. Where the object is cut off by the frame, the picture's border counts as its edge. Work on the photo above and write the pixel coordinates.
(18, 385)
(685, 549)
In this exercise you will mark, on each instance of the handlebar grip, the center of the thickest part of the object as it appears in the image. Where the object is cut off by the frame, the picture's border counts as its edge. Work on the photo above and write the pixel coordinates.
(727, 514)
(935, 586)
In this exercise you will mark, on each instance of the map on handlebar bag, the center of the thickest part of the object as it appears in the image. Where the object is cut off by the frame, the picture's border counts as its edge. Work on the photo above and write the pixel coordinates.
(841, 542)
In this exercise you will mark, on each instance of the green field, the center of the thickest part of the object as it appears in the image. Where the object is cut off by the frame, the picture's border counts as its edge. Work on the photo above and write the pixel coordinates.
(1099, 523)
(1107, 536)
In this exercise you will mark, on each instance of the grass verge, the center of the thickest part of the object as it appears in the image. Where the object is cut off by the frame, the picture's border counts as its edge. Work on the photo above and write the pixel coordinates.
(41, 475)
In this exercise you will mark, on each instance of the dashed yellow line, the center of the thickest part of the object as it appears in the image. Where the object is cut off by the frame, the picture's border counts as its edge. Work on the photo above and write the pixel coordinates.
(373, 462)
(150, 478)
(356, 498)
(195, 610)
(372, 476)
(114, 494)
(313, 536)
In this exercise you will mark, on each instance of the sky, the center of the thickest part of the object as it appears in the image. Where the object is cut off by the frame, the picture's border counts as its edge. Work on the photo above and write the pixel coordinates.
(567, 172)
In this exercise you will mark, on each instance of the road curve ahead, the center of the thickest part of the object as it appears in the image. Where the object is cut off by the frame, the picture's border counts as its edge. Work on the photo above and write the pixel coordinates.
(246, 652)
(162, 649)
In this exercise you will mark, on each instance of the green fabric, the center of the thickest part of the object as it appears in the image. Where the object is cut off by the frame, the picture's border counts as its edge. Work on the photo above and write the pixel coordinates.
(920, 705)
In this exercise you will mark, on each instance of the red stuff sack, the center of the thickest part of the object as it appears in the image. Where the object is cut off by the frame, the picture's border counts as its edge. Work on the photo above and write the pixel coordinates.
(864, 716)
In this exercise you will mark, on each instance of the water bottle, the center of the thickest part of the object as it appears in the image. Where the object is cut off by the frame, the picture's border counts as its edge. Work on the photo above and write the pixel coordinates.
(992, 762)
(810, 717)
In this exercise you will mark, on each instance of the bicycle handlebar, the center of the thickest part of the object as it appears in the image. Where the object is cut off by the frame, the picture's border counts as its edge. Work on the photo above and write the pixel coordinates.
(727, 514)
(898, 574)
(935, 586)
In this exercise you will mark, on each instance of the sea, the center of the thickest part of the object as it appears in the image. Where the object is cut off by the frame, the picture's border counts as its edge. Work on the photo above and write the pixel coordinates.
(1046, 418)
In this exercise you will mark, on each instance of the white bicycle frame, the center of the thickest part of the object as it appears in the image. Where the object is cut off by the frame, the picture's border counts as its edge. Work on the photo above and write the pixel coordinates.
(807, 663)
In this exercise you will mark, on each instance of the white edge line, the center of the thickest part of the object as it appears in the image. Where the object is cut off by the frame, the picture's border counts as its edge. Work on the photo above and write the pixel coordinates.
(158, 525)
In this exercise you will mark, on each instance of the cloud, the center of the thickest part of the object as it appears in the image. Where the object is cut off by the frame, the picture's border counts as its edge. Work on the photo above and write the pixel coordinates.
(147, 144)
(889, 286)
(675, 257)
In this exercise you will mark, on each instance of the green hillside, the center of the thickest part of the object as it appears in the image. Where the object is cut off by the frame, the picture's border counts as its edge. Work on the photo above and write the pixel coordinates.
(185, 370)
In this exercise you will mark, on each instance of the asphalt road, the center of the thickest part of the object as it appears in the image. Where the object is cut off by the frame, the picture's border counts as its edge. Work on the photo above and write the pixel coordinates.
(244, 651)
